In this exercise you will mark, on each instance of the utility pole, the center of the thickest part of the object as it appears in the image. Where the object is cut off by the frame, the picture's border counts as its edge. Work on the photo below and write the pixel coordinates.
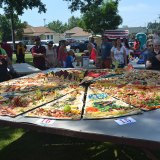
(159, 17)
(44, 19)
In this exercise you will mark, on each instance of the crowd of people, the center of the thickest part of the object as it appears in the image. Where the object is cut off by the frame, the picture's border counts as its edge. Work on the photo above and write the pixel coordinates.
(113, 53)
(121, 52)
(53, 56)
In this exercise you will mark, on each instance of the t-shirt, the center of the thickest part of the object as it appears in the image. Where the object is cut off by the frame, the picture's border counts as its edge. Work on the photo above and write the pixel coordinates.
(39, 62)
(119, 54)
(8, 49)
(106, 50)
(3, 52)
(62, 53)
(69, 61)
(151, 55)
(146, 54)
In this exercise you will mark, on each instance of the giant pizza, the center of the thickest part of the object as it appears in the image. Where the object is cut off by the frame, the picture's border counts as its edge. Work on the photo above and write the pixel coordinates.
(61, 95)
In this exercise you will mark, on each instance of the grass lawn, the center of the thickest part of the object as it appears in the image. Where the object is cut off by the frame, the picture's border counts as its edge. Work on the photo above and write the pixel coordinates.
(28, 58)
(19, 144)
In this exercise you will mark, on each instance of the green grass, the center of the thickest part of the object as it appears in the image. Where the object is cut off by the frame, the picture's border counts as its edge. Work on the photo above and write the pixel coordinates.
(19, 144)
(28, 58)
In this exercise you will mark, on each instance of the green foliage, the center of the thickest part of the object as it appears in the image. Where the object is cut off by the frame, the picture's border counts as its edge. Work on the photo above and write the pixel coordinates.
(154, 26)
(5, 28)
(12, 7)
(19, 6)
(83, 5)
(58, 26)
(74, 22)
(98, 19)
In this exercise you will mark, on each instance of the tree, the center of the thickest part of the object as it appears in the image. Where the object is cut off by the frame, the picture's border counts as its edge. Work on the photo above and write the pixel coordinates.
(153, 26)
(98, 19)
(83, 5)
(12, 7)
(5, 28)
(74, 22)
(58, 26)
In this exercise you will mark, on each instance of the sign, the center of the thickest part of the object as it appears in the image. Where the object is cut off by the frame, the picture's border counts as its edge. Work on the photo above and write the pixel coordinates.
(85, 62)
(45, 122)
(124, 121)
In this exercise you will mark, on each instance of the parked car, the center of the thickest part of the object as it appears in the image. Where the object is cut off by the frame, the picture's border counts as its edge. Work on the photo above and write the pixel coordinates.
(79, 46)
(43, 43)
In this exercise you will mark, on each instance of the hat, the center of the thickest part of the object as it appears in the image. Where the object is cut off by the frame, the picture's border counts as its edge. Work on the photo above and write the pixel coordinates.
(37, 38)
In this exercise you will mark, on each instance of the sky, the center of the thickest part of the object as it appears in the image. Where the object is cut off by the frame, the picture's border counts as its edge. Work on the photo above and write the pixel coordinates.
(134, 13)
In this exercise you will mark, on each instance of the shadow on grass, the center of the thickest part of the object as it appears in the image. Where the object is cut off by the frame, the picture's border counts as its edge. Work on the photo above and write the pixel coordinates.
(43, 146)
(8, 133)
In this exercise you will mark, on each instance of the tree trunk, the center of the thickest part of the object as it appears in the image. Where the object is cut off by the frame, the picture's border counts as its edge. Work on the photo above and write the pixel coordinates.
(13, 31)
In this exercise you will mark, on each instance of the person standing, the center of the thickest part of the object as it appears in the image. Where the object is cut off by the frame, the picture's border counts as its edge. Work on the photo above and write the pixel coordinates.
(39, 55)
(62, 54)
(153, 60)
(7, 47)
(106, 52)
(128, 50)
(70, 59)
(21, 53)
(51, 55)
(3, 64)
(92, 52)
(119, 54)
(147, 50)
(92, 40)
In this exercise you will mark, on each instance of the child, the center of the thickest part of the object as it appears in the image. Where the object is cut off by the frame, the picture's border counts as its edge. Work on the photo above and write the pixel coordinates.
(70, 59)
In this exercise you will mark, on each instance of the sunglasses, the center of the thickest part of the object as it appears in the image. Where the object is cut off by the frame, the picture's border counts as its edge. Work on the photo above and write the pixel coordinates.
(150, 45)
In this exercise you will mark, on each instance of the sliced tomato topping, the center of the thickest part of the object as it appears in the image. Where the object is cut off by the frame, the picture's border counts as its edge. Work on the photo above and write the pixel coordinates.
(91, 109)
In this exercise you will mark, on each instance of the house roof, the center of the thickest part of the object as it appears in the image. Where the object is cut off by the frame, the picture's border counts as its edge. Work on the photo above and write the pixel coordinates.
(29, 30)
(77, 31)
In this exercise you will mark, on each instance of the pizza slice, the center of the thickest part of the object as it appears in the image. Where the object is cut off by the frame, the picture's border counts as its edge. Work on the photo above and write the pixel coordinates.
(100, 105)
(25, 102)
(67, 107)
(96, 74)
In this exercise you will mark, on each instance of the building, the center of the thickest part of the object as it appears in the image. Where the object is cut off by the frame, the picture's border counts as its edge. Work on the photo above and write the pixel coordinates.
(77, 33)
(45, 33)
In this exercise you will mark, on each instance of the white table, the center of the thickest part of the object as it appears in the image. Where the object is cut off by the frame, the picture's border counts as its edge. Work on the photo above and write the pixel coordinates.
(137, 66)
(25, 68)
